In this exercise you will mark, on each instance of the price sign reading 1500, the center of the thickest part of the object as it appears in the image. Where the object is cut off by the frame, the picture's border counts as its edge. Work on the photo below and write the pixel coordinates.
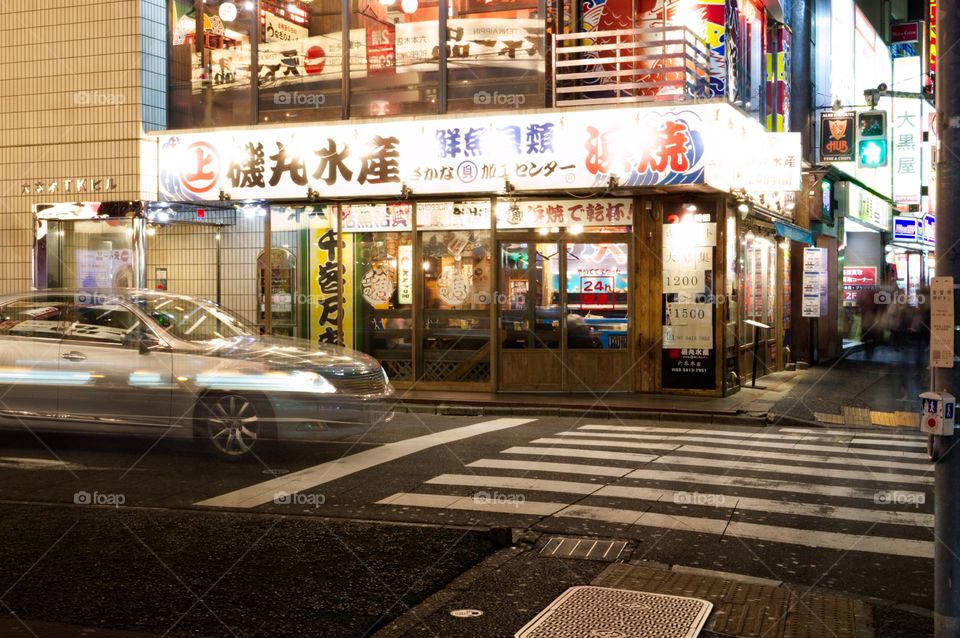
(679, 312)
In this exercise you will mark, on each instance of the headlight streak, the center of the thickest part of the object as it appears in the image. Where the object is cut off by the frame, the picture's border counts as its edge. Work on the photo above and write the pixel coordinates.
(300, 381)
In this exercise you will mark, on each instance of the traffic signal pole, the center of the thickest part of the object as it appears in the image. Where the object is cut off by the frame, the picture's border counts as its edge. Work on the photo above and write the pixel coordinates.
(947, 472)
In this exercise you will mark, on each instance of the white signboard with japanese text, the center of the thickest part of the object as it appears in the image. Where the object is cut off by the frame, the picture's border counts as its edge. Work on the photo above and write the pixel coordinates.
(942, 330)
(688, 336)
(405, 274)
(906, 127)
(564, 213)
(648, 146)
(505, 42)
(759, 162)
(276, 29)
(363, 218)
(689, 234)
(814, 301)
(473, 215)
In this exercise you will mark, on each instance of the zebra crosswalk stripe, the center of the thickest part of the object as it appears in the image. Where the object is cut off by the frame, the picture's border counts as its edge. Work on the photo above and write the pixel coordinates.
(579, 453)
(764, 484)
(855, 475)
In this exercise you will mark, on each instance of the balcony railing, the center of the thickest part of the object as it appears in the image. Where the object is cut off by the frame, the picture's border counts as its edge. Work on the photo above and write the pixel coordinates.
(668, 63)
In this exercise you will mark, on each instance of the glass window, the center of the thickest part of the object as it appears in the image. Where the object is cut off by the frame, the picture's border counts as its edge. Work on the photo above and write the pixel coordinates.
(191, 321)
(103, 323)
(300, 60)
(529, 295)
(456, 292)
(759, 286)
(495, 55)
(394, 57)
(210, 74)
(383, 282)
(33, 318)
(597, 296)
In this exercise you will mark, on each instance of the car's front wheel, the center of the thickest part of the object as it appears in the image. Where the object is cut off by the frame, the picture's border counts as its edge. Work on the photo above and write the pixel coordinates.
(234, 426)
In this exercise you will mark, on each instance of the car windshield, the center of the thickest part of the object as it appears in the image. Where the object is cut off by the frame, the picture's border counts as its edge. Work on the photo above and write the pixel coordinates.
(191, 320)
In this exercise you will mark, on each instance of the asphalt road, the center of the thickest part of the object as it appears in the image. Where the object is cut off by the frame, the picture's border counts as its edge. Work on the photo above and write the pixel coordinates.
(339, 538)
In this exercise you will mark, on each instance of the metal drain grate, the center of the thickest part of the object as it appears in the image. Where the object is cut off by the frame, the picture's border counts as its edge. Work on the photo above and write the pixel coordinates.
(586, 611)
(588, 548)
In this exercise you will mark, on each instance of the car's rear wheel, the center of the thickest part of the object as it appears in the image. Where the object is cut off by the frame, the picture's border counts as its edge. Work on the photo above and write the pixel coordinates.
(235, 426)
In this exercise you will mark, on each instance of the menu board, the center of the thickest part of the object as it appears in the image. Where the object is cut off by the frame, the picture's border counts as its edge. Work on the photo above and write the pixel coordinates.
(688, 356)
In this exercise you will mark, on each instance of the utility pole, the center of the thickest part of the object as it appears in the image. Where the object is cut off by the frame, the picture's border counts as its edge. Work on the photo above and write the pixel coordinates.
(947, 472)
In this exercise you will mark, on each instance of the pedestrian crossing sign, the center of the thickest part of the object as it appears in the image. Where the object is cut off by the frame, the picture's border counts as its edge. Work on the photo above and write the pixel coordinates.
(937, 413)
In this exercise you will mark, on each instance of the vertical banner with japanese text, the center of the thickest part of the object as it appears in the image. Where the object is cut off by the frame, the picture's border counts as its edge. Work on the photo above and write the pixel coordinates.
(688, 356)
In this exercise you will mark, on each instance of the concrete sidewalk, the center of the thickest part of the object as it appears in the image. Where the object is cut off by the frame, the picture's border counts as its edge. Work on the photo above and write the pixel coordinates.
(858, 391)
(749, 404)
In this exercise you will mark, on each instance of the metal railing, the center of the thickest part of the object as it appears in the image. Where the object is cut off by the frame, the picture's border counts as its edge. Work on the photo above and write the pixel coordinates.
(668, 63)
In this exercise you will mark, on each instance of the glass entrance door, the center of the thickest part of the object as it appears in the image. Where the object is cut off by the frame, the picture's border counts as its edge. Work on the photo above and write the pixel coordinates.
(530, 318)
(564, 314)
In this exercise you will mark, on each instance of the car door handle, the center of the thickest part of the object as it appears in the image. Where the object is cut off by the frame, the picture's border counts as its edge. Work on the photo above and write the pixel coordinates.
(75, 356)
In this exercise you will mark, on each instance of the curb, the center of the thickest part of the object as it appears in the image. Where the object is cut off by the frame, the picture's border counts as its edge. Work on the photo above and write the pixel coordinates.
(671, 416)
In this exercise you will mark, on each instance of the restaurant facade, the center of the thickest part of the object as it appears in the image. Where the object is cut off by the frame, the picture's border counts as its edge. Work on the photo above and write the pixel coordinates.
(535, 218)
(593, 250)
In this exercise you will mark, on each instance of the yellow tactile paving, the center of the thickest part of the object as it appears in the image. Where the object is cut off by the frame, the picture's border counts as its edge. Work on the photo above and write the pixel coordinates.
(863, 416)
(888, 419)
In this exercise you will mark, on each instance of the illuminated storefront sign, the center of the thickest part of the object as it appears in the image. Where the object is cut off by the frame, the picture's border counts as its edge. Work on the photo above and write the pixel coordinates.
(565, 213)
(473, 215)
(701, 144)
(853, 201)
(906, 124)
(364, 218)
(907, 228)
(837, 137)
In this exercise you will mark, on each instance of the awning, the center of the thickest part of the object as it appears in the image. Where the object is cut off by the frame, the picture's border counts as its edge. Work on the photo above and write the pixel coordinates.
(794, 233)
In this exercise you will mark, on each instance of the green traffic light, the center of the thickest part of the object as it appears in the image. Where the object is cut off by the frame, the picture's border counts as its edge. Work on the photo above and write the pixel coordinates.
(872, 153)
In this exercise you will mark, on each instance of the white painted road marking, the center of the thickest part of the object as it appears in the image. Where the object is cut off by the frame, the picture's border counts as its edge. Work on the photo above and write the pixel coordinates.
(787, 445)
(515, 483)
(579, 453)
(771, 506)
(817, 510)
(644, 518)
(543, 466)
(845, 461)
(440, 501)
(311, 477)
(641, 432)
(764, 484)
(853, 475)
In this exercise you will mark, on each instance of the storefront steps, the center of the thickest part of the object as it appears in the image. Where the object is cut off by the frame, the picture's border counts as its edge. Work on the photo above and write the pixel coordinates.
(749, 406)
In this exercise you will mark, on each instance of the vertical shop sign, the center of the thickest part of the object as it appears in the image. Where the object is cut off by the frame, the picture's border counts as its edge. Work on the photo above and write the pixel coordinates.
(814, 282)
(405, 274)
(688, 357)
(328, 278)
(381, 49)
(907, 128)
(941, 322)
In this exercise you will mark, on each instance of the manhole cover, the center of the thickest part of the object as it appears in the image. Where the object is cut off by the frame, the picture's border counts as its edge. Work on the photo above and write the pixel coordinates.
(588, 548)
(601, 612)
(466, 613)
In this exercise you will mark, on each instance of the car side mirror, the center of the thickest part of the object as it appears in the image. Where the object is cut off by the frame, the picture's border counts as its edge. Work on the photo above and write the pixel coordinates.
(147, 342)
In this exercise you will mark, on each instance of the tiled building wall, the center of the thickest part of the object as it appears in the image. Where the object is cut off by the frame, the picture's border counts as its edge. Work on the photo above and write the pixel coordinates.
(188, 252)
(72, 106)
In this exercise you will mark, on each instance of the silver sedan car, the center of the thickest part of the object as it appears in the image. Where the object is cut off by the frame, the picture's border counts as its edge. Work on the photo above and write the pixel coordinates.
(151, 362)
